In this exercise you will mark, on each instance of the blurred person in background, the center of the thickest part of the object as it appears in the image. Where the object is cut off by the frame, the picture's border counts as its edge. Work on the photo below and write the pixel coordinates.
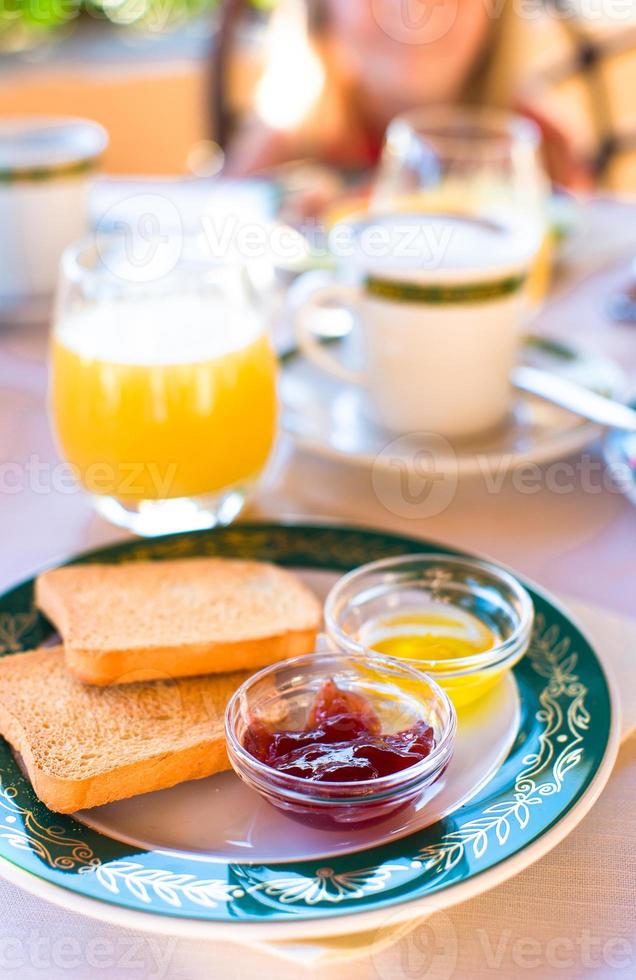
(337, 72)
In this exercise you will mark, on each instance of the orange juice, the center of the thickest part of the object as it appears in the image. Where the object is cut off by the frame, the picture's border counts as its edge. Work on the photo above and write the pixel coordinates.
(164, 397)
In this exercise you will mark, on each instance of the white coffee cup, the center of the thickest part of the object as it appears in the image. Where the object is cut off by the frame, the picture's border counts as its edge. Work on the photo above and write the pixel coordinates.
(46, 165)
(439, 302)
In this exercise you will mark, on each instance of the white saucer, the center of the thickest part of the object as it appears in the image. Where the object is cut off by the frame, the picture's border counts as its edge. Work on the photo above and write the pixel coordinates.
(327, 418)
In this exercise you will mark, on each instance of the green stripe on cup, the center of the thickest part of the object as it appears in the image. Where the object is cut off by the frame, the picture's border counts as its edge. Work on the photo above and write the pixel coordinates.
(37, 174)
(437, 294)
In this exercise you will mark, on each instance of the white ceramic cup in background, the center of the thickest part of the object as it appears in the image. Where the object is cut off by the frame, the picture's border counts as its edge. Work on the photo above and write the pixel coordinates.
(438, 302)
(45, 169)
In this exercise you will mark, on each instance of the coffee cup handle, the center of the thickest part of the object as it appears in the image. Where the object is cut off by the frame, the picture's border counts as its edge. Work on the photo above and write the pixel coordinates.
(338, 294)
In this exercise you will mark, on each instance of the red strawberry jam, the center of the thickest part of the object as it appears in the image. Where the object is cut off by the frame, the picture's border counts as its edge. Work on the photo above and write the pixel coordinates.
(342, 741)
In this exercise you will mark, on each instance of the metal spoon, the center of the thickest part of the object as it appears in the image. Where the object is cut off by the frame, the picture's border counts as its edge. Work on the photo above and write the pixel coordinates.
(574, 397)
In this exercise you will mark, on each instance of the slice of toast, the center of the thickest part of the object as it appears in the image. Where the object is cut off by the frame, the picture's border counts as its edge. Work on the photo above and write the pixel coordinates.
(152, 619)
(83, 746)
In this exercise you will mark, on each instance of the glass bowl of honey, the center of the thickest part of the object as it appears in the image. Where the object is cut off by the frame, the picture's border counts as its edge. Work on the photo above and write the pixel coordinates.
(339, 741)
(463, 621)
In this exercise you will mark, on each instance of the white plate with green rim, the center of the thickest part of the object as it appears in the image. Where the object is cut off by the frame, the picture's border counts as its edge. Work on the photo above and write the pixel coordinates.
(326, 417)
(556, 760)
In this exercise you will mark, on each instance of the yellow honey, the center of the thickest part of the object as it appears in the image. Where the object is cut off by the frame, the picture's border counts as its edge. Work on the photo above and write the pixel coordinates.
(435, 639)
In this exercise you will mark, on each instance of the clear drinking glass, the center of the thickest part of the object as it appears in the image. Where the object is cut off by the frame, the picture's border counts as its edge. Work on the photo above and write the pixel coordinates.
(162, 383)
(476, 162)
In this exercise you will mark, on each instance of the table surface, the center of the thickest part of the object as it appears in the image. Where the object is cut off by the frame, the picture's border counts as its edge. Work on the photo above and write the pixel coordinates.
(573, 914)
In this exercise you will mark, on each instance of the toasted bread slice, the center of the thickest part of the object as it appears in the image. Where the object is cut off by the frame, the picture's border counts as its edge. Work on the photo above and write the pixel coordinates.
(83, 746)
(152, 619)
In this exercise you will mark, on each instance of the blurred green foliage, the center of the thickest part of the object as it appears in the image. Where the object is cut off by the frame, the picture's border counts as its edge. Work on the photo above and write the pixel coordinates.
(25, 20)
(25, 23)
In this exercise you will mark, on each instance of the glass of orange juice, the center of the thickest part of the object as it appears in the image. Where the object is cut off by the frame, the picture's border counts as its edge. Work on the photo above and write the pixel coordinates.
(163, 387)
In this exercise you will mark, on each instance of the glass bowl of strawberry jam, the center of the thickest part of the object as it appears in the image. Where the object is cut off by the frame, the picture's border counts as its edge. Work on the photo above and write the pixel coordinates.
(337, 740)
(463, 621)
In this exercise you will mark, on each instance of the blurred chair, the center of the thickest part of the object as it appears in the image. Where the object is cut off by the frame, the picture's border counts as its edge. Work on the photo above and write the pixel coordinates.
(222, 115)
(588, 80)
